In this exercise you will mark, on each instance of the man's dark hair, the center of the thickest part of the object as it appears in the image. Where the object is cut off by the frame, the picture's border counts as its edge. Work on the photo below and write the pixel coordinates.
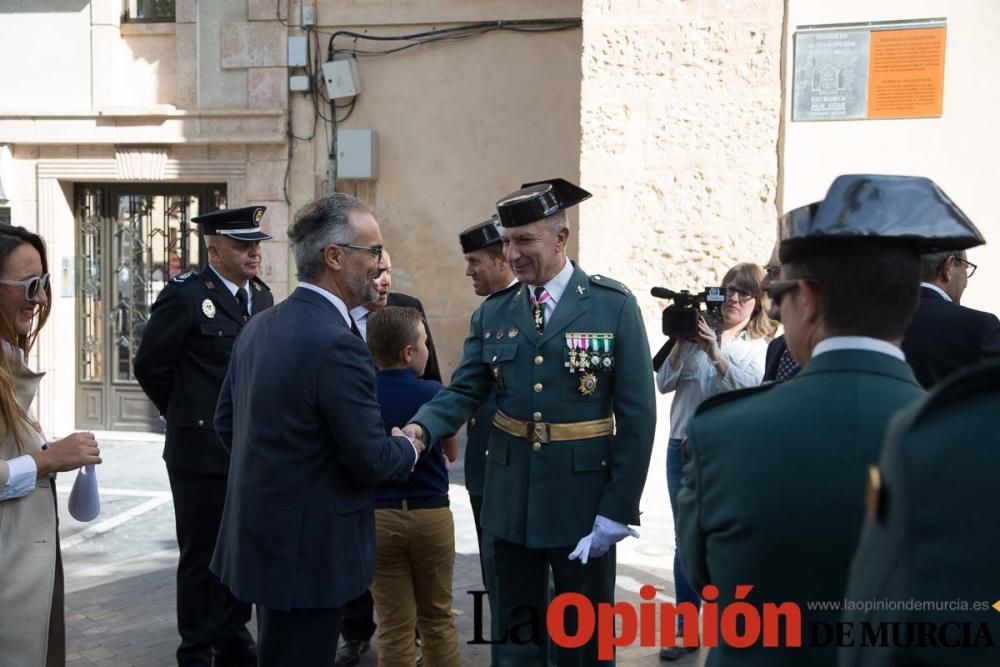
(495, 251)
(867, 288)
(321, 222)
(390, 330)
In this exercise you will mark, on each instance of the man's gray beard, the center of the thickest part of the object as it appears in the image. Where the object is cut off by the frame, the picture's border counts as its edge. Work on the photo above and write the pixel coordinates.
(362, 289)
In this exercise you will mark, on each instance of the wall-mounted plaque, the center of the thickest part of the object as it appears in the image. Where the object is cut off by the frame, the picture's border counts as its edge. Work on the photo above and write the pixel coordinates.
(890, 69)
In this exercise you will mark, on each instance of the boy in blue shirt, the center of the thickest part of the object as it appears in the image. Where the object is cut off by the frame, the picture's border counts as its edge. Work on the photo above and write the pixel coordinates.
(414, 527)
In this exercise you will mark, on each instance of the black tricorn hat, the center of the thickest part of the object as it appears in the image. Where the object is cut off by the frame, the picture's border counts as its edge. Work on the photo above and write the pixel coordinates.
(538, 200)
(907, 211)
(481, 236)
(242, 224)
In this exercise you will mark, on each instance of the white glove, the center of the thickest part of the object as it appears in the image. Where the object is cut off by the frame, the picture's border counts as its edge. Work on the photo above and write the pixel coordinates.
(605, 534)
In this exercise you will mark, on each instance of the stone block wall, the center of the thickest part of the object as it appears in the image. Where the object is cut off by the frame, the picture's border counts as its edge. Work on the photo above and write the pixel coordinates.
(680, 113)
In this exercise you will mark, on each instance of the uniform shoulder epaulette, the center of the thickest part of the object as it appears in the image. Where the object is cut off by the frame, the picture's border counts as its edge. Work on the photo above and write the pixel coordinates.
(259, 284)
(610, 283)
(185, 278)
(729, 396)
(981, 379)
(505, 290)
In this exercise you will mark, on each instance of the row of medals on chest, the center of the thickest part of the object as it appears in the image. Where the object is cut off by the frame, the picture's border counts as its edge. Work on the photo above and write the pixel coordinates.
(588, 353)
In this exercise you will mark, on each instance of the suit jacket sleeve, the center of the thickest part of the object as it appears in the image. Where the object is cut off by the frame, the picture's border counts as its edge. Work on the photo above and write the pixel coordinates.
(990, 346)
(162, 343)
(691, 535)
(774, 351)
(634, 403)
(345, 396)
(470, 387)
(224, 410)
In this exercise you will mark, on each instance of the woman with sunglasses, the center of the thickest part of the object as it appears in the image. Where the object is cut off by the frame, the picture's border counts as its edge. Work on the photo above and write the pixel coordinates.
(699, 368)
(32, 631)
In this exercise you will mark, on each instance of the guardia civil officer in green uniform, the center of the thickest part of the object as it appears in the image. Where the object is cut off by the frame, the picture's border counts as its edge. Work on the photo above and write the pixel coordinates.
(773, 493)
(931, 532)
(180, 365)
(486, 264)
(567, 357)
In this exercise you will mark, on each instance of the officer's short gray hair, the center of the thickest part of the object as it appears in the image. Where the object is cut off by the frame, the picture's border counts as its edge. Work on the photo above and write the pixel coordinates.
(932, 262)
(322, 222)
(557, 221)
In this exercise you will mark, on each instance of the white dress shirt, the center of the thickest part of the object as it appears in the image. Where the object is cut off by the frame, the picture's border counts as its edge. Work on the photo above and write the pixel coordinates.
(555, 288)
(232, 287)
(937, 289)
(332, 298)
(696, 378)
(360, 316)
(857, 343)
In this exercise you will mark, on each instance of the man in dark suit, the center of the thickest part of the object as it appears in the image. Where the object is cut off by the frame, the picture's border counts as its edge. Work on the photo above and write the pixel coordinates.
(944, 335)
(299, 415)
(778, 362)
(774, 485)
(359, 614)
(939, 546)
(180, 364)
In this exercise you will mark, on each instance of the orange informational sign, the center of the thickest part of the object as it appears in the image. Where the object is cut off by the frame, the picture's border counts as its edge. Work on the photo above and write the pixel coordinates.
(906, 73)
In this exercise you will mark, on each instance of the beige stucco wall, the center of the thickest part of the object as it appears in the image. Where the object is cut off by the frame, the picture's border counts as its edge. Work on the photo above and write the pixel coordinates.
(459, 125)
(680, 108)
(45, 55)
(958, 150)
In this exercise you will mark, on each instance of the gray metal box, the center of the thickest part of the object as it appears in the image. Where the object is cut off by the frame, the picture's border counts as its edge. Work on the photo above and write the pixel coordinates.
(357, 154)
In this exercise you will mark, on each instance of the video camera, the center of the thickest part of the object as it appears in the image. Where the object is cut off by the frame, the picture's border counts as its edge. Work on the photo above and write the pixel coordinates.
(680, 319)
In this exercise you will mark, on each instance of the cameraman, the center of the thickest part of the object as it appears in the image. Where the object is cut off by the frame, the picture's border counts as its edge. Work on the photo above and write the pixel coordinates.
(699, 368)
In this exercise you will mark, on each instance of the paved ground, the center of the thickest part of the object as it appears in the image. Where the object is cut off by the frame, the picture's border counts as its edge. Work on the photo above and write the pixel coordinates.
(120, 567)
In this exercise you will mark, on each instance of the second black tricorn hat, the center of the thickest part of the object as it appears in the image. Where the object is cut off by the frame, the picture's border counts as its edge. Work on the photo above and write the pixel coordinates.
(910, 211)
(242, 224)
(538, 200)
(481, 236)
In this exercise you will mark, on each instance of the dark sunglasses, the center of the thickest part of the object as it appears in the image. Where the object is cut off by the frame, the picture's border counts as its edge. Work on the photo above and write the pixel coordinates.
(778, 288)
(32, 286)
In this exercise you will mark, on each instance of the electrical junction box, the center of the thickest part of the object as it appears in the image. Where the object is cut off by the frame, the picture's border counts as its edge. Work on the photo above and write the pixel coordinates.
(357, 154)
(341, 78)
(297, 54)
(298, 84)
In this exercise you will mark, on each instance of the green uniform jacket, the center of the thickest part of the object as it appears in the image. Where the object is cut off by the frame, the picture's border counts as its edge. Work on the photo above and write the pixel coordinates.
(935, 536)
(549, 497)
(774, 489)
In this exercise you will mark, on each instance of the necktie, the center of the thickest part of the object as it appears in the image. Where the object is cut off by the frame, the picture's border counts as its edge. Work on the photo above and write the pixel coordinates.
(537, 299)
(355, 330)
(243, 298)
(787, 368)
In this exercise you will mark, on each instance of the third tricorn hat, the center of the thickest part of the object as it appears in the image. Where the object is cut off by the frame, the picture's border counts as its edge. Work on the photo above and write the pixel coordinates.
(481, 236)
(538, 200)
(908, 211)
(242, 224)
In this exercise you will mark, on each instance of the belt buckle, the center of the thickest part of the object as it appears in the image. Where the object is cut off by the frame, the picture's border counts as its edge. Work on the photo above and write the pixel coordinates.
(538, 432)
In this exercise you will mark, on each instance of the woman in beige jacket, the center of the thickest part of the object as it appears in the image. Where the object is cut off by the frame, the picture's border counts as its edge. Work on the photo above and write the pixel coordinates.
(31, 588)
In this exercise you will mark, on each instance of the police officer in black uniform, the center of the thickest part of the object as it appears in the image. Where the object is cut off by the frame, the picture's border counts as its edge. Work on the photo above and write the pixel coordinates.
(181, 363)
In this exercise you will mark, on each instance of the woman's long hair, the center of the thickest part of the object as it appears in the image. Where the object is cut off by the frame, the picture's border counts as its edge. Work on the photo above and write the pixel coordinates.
(747, 276)
(12, 418)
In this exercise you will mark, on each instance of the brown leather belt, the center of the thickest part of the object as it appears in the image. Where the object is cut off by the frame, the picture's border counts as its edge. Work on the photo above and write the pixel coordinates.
(543, 432)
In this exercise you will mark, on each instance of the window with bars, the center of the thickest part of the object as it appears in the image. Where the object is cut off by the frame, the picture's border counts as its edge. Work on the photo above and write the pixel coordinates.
(148, 11)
